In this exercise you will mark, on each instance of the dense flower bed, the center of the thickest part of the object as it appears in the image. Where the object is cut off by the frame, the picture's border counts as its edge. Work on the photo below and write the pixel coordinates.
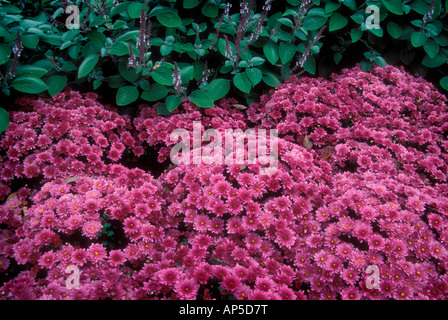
(360, 181)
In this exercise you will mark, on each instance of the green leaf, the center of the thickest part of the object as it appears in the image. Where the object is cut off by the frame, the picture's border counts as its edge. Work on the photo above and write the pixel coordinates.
(119, 48)
(431, 48)
(337, 57)
(30, 40)
(355, 34)
(314, 20)
(286, 51)
(271, 52)
(285, 21)
(4, 120)
(218, 88)
(162, 110)
(97, 38)
(418, 39)
(156, 92)
(187, 74)
(380, 61)
(254, 74)
(310, 64)
(87, 65)
(331, 6)
(134, 9)
(351, 4)
(210, 9)
(337, 21)
(56, 84)
(163, 75)
(5, 53)
(395, 30)
(435, 62)
(242, 82)
(365, 65)
(271, 79)
(128, 74)
(29, 84)
(394, 6)
(189, 4)
(201, 99)
(172, 102)
(126, 95)
(168, 18)
(444, 83)
(130, 35)
(165, 50)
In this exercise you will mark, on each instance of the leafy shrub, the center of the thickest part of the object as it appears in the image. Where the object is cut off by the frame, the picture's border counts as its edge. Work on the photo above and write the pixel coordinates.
(167, 50)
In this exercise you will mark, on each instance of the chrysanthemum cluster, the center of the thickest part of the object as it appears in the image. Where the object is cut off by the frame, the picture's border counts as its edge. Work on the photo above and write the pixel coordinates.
(362, 162)
(65, 136)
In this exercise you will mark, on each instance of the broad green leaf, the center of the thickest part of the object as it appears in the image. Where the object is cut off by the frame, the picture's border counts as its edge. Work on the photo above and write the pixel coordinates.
(119, 48)
(5, 53)
(29, 41)
(115, 81)
(156, 92)
(444, 83)
(4, 120)
(130, 35)
(395, 30)
(380, 61)
(163, 75)
(285, 21)
(162, 109)
(29, 84)
(418, 39)
(87, 65)
(331, 6)
(355, 34)
(165, 50)
(201, 99)
(337, 57)
(271, 52)
(128, 74)
(310, 64)
(127, 95)
(56, 84)
(435, 62)
(254, 74)
(218, 88)
(189, 4)
(314, 21)
(242, 82)
(187, 74)
(134, 9)
(394, 6)
(172, 102)
(210, 9)
(351, 4)
(168, 18)
(337, 21)
(97, 38)
(431, 48)
(286, 51)
(271, 79)
(366, 65)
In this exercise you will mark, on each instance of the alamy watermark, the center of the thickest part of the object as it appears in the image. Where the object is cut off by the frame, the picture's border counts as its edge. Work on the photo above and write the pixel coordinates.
(373, 280)
(230, 151)
(72, 281)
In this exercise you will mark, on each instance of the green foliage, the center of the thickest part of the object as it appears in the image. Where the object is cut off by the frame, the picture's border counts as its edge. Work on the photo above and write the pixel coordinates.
(167, 51)
(4, 119)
